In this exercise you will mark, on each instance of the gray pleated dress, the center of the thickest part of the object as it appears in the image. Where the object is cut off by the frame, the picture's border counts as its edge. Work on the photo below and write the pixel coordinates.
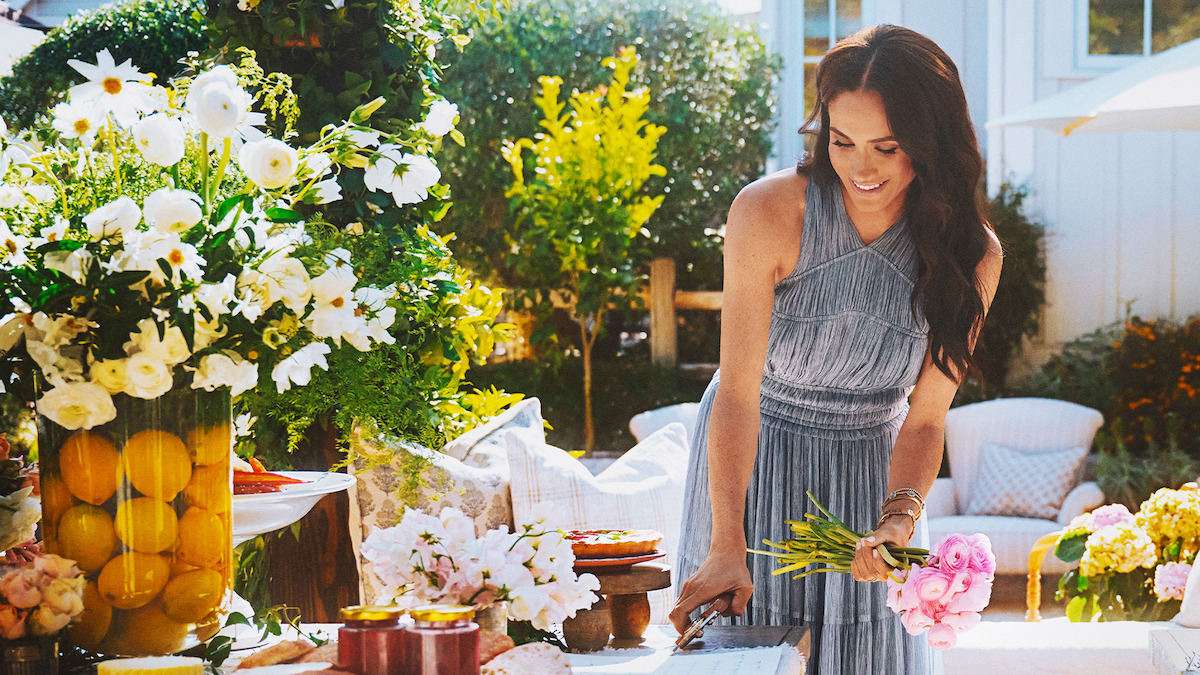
(843, 353)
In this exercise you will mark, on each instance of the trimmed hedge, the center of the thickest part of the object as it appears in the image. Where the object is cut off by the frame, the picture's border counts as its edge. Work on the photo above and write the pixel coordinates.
(155, 34)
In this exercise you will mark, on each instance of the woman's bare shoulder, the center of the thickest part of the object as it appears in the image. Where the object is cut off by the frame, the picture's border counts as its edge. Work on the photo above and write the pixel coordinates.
(767, 218)
(777, 194)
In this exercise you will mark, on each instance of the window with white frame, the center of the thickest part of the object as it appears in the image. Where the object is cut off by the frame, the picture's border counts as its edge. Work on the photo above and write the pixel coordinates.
(1111, 32)
(825, 22)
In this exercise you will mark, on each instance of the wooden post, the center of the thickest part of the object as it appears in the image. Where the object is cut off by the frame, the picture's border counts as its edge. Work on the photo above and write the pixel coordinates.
(663, 345)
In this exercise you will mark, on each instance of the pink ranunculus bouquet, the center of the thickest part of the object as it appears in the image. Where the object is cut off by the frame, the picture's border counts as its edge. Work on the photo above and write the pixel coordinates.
(40, 597)
(940, 594)
(945, 595)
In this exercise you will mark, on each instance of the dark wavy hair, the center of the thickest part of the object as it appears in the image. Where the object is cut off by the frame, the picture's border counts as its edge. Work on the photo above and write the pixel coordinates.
(927, 110)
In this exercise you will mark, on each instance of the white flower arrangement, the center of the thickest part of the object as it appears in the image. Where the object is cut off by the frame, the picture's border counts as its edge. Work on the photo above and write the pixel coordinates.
(438, 559)
(150, 239)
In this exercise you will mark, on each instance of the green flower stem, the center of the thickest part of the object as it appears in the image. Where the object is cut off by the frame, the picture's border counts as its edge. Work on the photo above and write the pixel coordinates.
(110, 137)
(220, 175)
(204, 160)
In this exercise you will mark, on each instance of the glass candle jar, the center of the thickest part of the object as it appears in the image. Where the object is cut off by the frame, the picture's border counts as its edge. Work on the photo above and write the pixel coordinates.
(371, 641)
(443, 641)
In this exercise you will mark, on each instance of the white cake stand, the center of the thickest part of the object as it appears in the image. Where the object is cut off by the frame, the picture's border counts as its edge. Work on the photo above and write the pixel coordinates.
(257, 514)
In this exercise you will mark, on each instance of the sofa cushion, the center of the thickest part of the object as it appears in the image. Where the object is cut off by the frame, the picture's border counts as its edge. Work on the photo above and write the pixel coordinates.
(642, 489)
(1012, 539)
(486, 445)
(642, 425)
(1023, 484)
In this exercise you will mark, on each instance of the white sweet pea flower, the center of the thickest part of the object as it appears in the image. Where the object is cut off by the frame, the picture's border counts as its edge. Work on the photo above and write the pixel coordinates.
(77, 405)
(327, 191)
(176, 211)
(160, 138)
(19, 515)
(318, 163)
(440, 119)
(148, 376)
(110, 374)
(11, 196)
(407, 176)
(297, 368)
(113, 220)
(218, 102)
(216, 297)
(122, 90)
(77, 120)
(362, 138)
(225, 370)
(74, 264)
(269, 163)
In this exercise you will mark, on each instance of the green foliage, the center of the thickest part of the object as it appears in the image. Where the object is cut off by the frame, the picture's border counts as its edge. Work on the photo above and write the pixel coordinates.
(1014, 313)
(1128, 478)
(155, 34)
(713, 84)
(622, 388)
(576, 221)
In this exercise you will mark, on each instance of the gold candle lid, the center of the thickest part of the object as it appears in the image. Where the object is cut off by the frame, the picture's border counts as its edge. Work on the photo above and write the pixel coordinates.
(443, 613)
(369, 613)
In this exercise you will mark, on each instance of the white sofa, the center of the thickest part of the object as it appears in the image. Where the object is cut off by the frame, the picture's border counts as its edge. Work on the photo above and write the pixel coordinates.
(1026, 425)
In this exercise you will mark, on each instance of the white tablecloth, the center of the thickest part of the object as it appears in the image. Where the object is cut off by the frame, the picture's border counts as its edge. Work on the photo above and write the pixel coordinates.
(1054, 646)
(658, 642)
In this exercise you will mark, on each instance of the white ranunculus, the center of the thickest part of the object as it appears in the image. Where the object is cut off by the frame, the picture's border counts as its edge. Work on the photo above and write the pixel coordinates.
(168, 210)
(218, 102)
(110, 374)
(148, 376)
(170, 348)
(77, 405)
(289, 282)
(160, 139)
(216, 297)
(297, 368)
(269, 163)
(407, 176)
(74, 264)
(113, 220)
(441, 116)
(327, 191)
(221, 370)
(207, 332)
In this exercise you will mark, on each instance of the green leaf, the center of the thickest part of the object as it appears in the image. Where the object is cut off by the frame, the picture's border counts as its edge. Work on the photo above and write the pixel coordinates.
(279, 214)
(1076, 607)
(1071, 548)
(224, 208)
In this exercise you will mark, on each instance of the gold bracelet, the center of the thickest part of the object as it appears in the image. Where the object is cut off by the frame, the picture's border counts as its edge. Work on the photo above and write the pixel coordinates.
(908, 512)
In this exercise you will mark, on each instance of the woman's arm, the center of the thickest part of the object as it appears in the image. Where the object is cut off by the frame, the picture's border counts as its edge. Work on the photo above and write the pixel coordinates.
(917, 456)
(761, 237)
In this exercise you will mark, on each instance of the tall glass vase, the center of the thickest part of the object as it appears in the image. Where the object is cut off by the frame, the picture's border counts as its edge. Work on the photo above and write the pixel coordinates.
(143, 505)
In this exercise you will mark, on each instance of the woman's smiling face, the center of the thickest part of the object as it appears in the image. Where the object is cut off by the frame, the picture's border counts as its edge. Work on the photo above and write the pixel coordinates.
(874, 171)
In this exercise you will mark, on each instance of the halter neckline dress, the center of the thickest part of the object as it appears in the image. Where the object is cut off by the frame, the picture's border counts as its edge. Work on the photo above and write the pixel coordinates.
(844, 350)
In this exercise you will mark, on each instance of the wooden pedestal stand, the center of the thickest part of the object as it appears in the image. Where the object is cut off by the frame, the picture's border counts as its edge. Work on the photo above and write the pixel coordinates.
(623, 609)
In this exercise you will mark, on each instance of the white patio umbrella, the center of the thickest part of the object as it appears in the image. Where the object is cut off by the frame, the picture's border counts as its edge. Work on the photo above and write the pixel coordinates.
(1160, 93)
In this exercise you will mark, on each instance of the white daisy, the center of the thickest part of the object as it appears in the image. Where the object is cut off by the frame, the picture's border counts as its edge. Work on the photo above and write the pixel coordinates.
(75, 120)
(122, 90)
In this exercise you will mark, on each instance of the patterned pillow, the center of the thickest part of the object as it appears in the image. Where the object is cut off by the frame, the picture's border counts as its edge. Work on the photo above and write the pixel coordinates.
(1024, 484)
(641, 490)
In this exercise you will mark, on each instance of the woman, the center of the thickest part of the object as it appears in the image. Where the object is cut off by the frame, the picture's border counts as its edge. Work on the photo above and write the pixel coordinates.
(859, 278)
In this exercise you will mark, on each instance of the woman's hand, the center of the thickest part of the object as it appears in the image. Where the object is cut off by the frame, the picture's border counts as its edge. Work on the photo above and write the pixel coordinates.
(720, 573)
(868, 565)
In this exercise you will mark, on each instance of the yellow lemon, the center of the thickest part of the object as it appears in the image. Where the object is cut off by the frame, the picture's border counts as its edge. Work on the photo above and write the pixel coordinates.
(157, 463)
(209, 445)
(179, 567)
(90, 628)
(146, 631)
(191, 596)
(56, 499)
(210, 488)
(86, 535)
(91, 466)
(146, 524)
(133, 579)
(203, 538)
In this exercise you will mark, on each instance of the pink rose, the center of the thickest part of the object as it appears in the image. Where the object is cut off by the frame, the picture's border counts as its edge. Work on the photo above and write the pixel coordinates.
(915, 621)
(1111, 514)
(974, 599)
(960, 621)
(954, 553)
(19, 589)
(932, 584)
(12, 622)
(895, 592)
(942, 636)
(1170, 579)
(982, 558)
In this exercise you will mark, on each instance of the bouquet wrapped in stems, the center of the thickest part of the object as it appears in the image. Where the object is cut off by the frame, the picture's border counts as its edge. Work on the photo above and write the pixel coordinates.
(940, 592)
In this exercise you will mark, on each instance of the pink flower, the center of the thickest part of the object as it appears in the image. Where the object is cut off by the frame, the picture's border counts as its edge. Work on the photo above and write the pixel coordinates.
(915, 621)
(930, 585)
(12, 622)
(1111, 514)
(942, 636)
(982, 558)
(19, 589)
(960, 621)
(975, 598)
(954, 554)
(1170, 579)
(56, 567)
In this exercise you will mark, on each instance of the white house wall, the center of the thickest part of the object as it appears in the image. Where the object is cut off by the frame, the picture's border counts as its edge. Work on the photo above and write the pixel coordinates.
(1122, 210)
